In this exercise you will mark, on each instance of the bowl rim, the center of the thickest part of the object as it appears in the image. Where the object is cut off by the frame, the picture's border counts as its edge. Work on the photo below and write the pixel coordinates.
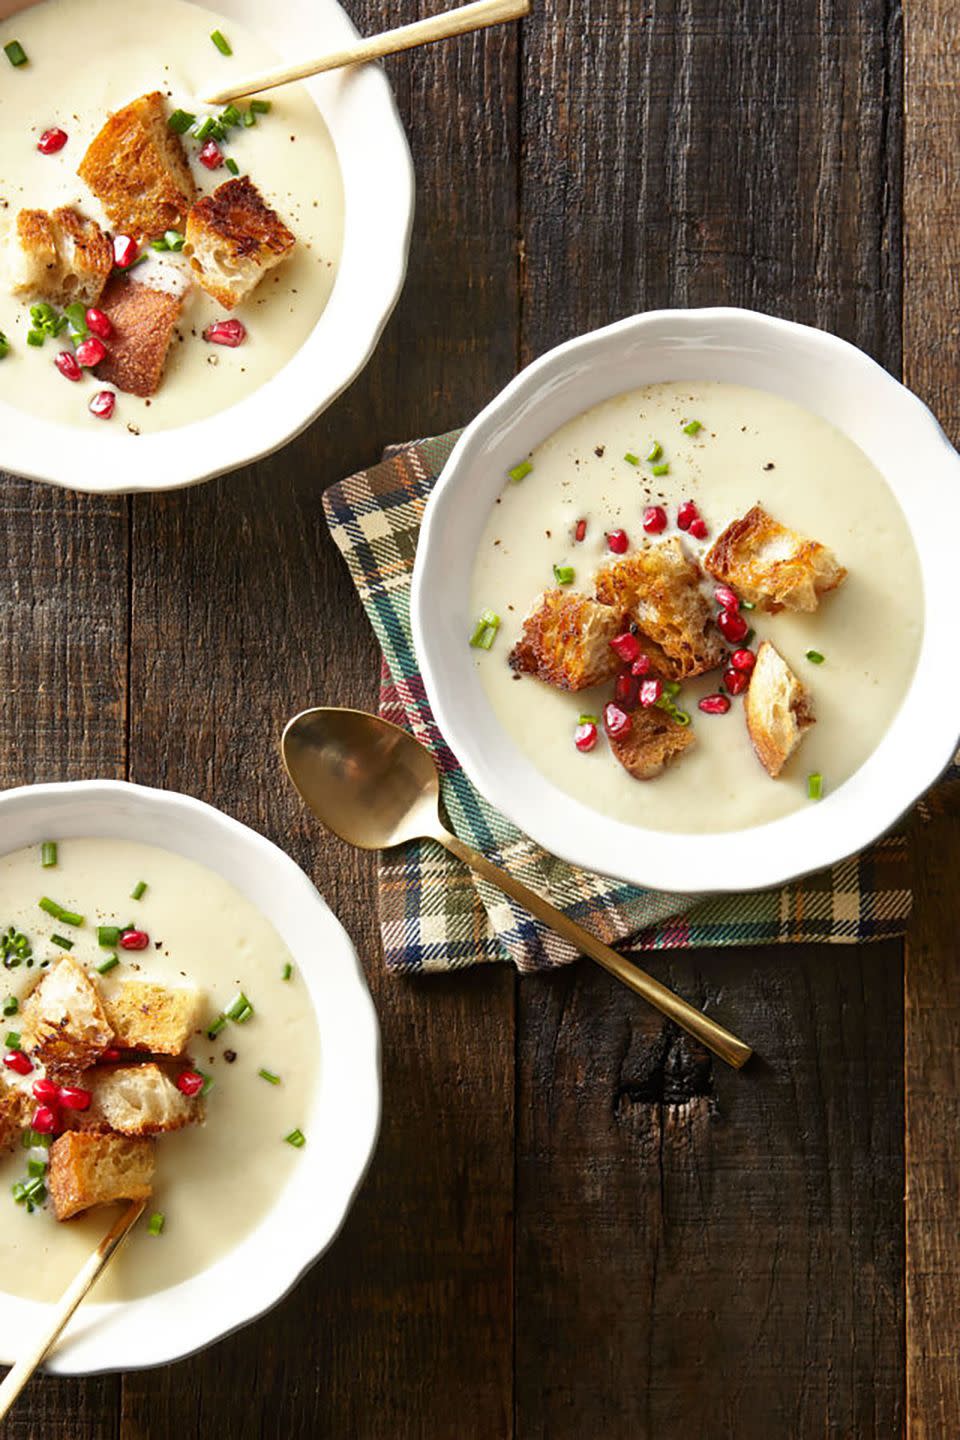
(136, 1334)
(757, 857)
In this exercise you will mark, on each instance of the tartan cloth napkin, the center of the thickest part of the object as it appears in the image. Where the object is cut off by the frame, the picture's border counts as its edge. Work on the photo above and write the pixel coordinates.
(436, 915)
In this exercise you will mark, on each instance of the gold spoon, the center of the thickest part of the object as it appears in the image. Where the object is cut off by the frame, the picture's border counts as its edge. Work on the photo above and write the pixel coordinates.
(375, 786)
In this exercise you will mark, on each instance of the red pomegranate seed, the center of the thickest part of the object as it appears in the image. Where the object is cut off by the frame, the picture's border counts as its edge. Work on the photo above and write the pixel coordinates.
(686, 515)
(654, 519)
(99, 323)
(44, 1120)
(715, 704)
(190, 1083)
(90, 352)
(103, 404)
(627, 646)
(125, 251)
(226, 332)
(585, 736)
(581, 531)
(109, 1056)
(725, 598)
(616, 721)
(46, 1091)
(735, 681)
(618, 542)
(52, 140)
(72, 1097)
(641, 666)
(743, 660)
(16, 1061)
(67, 365)
(698, 528)
(626, 690)
(134, 940)
(732, 625)
(650, 692)
(211, 155)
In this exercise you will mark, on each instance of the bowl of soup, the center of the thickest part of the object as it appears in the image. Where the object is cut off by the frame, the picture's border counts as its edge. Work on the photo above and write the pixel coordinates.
(284, 1036)
(664, 437)
(330, 164)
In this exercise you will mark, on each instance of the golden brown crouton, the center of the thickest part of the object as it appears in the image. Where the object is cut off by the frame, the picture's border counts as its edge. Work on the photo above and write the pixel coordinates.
(137, 168)
(60, 257)
(88, 1169)
(63, 1021)
(143, 320)
(14, 1113)
(134, 1100)
(777, 708)
(658, 587)
(774, 567)
(652, 742)
(566, 641)
(151, 1017)
(233, 239)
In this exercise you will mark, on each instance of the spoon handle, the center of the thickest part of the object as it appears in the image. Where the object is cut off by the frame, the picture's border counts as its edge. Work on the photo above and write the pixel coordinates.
(707, 1031)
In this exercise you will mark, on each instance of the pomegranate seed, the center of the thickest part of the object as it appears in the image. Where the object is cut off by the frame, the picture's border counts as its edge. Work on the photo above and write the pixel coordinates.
(67, 365)
(134, 940)
(190, 1083)
(125, 251)
(626, 690)
(90, 352)
(44, 1120)
(735, 681)
(16, 1061)
(226, 332)
(641, 666)
(732, 625)
(654, 519)
(650, 692)
(110, 1056)
(103, 404)
(698, 528)
(52, 140)
(743, 660)
(715, 704)
(725, 598)
(618, 542)
(99, 323)
(46, 1091)
(581, 531)
(211, 155)
(585, 736)
(72, 1097)
(686, 515)
(627, 646)
(616, 721)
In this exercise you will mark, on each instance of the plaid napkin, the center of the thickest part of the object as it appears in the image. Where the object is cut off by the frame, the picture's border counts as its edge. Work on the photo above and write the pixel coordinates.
(436, 915)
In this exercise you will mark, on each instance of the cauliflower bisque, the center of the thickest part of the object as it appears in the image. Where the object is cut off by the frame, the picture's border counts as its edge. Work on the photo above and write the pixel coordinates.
(696, 461)
(214, 986)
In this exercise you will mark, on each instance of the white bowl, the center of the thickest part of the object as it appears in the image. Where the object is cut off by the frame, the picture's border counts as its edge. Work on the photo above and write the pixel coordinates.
(378, 185)
(345, 1113)
(816, 370)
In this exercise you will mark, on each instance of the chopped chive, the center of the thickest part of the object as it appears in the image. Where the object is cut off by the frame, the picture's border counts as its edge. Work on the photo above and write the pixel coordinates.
(260, 107)
(631, 459)
(159, 244)
(15, 53)
(655, 451)
(221, 42)
(296, 1138)
(691, 427)
(207, 1083)
(33, 1140)
(814, 657)
(36, 1169)
(175, 240)
(749, 637)
(77, 318)
(563, 574)
(156, 1223)
(62, 941)
(814, 786)
(35, 338)
(111, 963)
(12, 1041)
(231, 116)
(682, 717)
(180, 121)
(108, 936)
(249, 117)
(269, 1076)
(70, 917)
(662, 469)
(48, 853)
(589, 720)
(287, 971)
(231, 165)
(218, 1025)
(747, 605)
(11, 1006)
(139, 890)
(239, 1010)
(206, 128)
(485, 630)
(520, 471)
(4, 345)
(50, 906)
(671, 688)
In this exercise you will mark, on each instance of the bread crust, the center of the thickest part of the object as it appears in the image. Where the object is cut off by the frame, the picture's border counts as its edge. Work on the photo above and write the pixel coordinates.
(658, 587)
(654, 741)
(134, 1100)
(138, 170)
(59, 257)
(14, 1111)
(778, 709)
(63, 1022)
(234, 239)
(143, 322)
(566, 641)
(152, 1017)
(773, 566)
(88, 1169)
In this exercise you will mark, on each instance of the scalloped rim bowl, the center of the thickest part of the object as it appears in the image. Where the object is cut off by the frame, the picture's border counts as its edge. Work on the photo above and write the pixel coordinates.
(344, 1115)
(810, 367)
(378, 183)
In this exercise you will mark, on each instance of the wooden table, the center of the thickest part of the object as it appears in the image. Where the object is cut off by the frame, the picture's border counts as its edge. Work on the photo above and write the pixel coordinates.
(569, 1230)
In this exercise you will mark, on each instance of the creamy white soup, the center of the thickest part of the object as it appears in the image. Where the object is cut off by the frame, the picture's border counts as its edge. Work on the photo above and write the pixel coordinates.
(752, 447)
(214, 1181)
(288, 154)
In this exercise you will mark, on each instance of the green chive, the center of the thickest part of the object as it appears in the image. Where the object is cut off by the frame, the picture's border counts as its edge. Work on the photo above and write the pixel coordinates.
(159, 244)
(175, 241)
(486, 630)
(231, 116)
(260, 107)
(156, 1223)
(35, 337)
(4, 345)
(682, 717)
(207, 1083)
(748, 638)
(655, 451)
(563, 574)
(48, 853)
(287, 971)
(70, 917)
(221, 42)
(108, 936)
(239, 1010)
(36, 1169)
(15, 53)
(269, 1076)
(814, 786)
(296, 1138)
(139, 890)
(77, 316)
(589, 720)
(11, 1006)
(13, 1040)
(632, 459)
(218, 1025)
(62, 941)
(111, 963)
(33, 1140)
(691, 427)
(671, 688)
(662, 469)
(249, 117)
(180, 121)
(747, 605)
(814, 657)
(50, 906)
(520, 471)
(206, 128)
(232, 166)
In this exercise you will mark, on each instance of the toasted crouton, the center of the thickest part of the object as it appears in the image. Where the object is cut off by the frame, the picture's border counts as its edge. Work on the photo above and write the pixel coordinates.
(658, 587)
(60, 257)
(653, 741)
(14, 1111)
(87, 1170)
(777, 708)
(134, 1100)
(566, 641)
(137, 168)
(63, 1021)
(774, 567)
(151, 1017)
(143, 318)
(233, 239)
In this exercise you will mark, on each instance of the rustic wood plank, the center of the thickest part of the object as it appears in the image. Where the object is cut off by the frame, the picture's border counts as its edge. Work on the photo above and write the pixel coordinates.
(701, 1253)
(932, 985)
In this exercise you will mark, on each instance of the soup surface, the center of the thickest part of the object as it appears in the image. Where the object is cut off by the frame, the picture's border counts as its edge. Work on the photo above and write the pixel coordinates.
(162, 45)
(215, 1181)
(753, 447)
